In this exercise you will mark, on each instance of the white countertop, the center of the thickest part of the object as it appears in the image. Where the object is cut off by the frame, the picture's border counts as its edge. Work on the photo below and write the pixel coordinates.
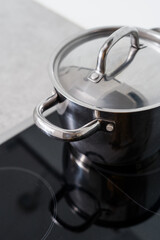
(93, 13)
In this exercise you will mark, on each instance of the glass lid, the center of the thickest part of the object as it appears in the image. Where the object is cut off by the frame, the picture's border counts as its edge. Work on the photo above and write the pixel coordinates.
(111, 70)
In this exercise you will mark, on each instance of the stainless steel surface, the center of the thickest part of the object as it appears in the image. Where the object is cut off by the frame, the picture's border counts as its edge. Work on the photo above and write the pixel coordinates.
(67, 135)
(77, 59)
(110, 42)
(94, 76)
(156, 29)
(136, 135)
(109, 127)
(128, 103)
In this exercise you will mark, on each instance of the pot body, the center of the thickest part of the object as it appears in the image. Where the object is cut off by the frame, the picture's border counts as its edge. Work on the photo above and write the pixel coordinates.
(125, 198)
(136, 135)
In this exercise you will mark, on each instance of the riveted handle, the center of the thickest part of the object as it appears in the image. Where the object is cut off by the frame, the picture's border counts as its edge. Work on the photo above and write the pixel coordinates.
(100, 70)
(65, 134)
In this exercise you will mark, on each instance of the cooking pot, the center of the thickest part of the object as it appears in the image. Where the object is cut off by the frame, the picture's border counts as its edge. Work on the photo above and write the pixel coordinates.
(109, 109)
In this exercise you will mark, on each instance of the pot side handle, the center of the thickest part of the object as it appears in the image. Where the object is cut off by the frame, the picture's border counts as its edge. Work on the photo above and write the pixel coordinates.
(58, 132)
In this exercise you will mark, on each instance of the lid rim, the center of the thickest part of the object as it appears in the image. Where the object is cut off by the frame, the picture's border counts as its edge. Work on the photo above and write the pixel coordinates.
(63, 92)
(109, 110)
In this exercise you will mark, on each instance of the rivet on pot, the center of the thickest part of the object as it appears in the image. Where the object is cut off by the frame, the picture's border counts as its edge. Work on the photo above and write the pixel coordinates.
(94, 76)
(110, 127)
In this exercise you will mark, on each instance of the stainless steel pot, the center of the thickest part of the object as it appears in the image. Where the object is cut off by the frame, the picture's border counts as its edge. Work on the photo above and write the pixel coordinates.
(111, 110)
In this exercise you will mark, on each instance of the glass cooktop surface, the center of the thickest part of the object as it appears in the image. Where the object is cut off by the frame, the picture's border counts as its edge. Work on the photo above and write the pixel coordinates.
(48, 192)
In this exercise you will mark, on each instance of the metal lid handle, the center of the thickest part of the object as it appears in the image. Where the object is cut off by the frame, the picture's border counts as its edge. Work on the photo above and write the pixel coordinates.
(100, 70)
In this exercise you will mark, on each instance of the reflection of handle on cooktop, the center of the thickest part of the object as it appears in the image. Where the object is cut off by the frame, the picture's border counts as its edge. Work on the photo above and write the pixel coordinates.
(77, 228)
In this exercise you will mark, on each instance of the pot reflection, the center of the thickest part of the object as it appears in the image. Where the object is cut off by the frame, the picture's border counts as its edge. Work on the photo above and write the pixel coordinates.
(115, 197)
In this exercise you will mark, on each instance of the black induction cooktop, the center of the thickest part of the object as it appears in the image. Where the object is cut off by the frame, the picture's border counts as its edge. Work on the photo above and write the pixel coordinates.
(47, 191)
